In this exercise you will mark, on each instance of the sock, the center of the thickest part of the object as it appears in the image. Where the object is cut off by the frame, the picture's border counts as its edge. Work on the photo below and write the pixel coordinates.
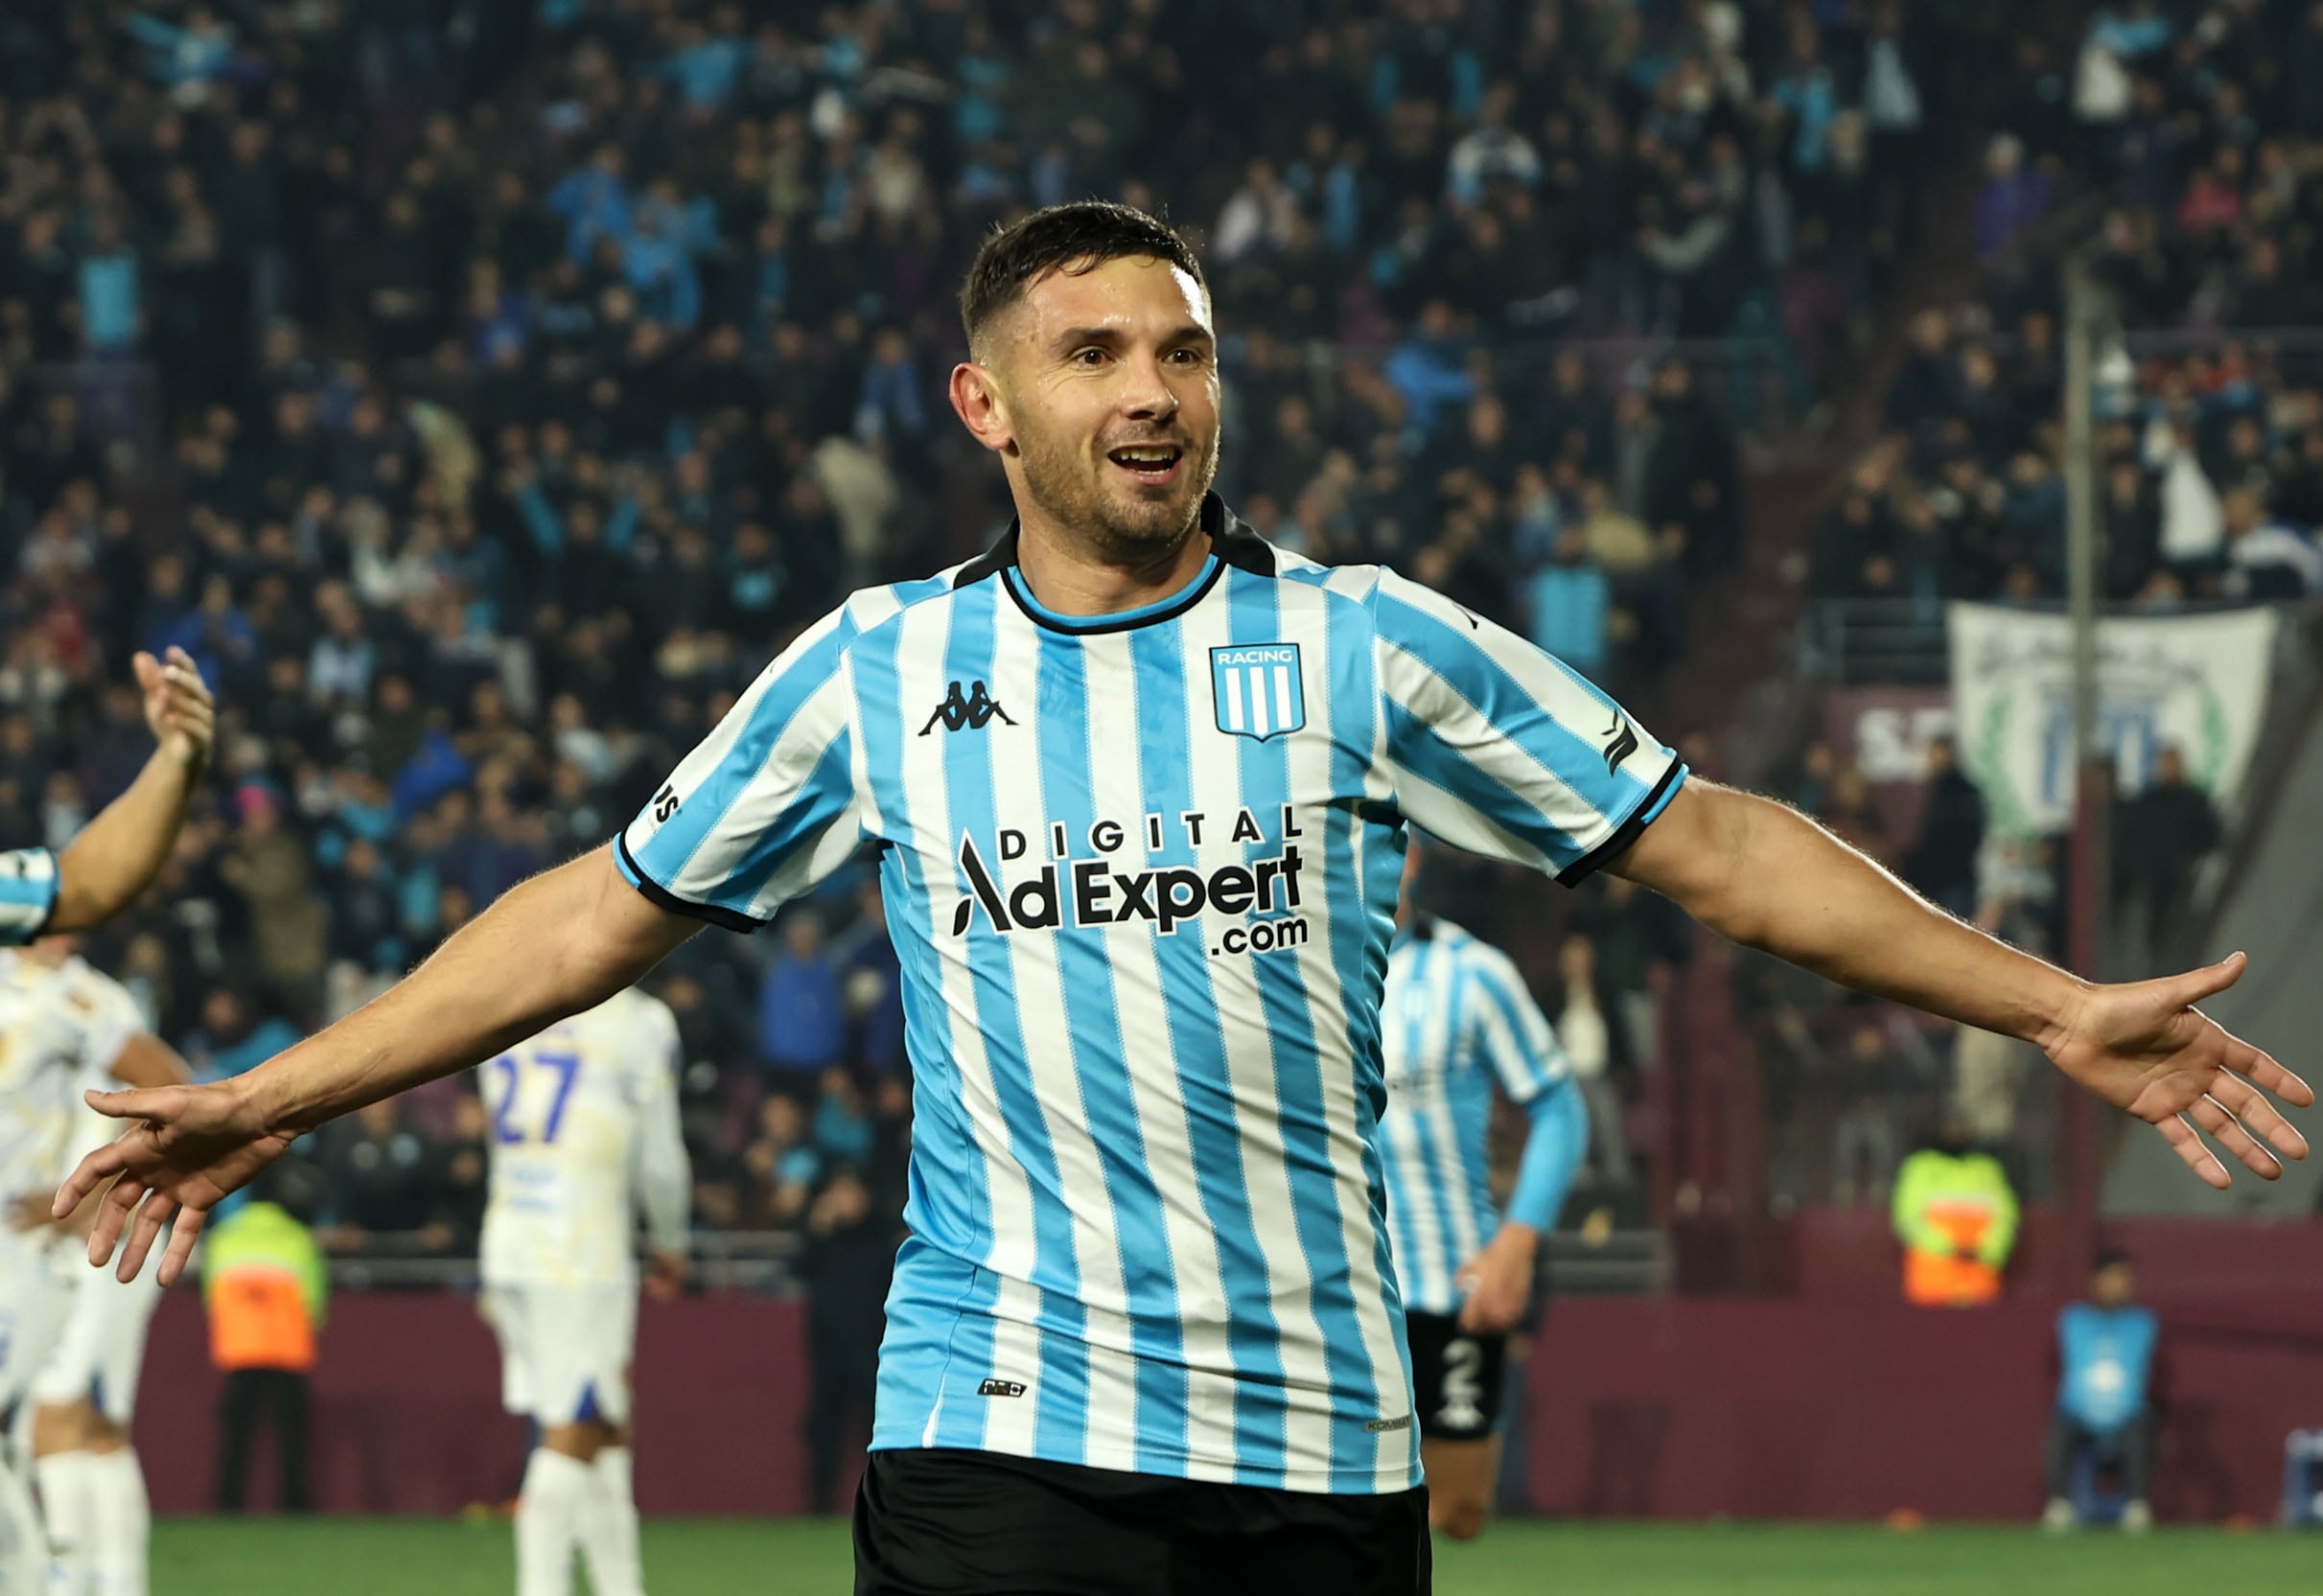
(609, 1528)
(23, 1546)
(123, 1521)
(68, 1506)
(548, 1514)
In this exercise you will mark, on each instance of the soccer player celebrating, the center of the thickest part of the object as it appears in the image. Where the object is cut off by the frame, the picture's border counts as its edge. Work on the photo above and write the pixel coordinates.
(1145, 1333)
(71, 1342)
(1456, 1016)
(585, 1137)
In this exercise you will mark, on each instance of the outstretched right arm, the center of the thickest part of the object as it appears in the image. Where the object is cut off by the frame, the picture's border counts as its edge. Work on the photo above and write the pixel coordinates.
(562, 941)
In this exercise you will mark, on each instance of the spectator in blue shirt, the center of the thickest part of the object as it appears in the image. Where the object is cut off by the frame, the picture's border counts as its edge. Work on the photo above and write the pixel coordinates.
(110, 308)
(802, 1016)
(2108, 1386)
(1571, 604)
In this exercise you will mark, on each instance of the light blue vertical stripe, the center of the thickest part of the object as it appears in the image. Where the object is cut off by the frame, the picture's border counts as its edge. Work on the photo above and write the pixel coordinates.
(1167, 710)
(1254, 617)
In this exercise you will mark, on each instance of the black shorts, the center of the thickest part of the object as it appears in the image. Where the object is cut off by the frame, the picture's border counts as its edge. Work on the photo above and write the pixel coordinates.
(1455, 1378)
(940, 1522)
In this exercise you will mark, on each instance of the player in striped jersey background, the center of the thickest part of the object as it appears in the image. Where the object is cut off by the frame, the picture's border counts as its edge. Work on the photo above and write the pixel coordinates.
(1145, 1336)
(1458, 1019)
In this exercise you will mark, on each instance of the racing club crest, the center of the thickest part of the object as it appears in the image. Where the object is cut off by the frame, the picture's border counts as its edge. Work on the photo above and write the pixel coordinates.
(1257, 690)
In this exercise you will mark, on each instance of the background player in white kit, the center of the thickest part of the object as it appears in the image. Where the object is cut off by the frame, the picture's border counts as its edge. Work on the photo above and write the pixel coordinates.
(70, 1352)
(584, 1135)
(1456, 1017)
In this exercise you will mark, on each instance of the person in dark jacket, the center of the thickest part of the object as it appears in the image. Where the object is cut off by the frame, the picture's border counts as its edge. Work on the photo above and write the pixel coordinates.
(850, 1255)
(2160, 835)
(1942, 864)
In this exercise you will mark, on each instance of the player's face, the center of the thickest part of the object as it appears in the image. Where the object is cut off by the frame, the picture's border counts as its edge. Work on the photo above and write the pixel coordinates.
(1110, 383)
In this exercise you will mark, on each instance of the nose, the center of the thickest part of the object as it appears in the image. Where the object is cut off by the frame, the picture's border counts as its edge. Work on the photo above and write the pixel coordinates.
(1146, 391)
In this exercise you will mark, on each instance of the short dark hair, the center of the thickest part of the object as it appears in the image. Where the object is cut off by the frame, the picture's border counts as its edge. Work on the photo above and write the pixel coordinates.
(2107, 1257)
(1079, 236)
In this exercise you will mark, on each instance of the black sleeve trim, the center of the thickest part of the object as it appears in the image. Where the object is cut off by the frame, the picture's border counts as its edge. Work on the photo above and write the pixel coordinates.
(1628, 832)
(661, 897)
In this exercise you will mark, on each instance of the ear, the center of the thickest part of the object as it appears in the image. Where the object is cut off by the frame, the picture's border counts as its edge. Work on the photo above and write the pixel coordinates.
(977, 400)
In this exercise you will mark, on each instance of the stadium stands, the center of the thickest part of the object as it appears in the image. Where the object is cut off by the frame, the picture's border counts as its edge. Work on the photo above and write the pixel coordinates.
(483, 392)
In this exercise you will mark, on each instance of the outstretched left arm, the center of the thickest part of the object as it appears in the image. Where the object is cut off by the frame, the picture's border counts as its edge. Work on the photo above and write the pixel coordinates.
(1767, 877)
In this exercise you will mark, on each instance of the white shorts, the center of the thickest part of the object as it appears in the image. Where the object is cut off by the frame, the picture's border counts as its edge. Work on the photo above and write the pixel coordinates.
(36, 1297)
(565, 1349)
(101, 1351)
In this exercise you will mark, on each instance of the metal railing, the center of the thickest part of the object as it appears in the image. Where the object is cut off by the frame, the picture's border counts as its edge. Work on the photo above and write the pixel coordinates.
(1890, 641)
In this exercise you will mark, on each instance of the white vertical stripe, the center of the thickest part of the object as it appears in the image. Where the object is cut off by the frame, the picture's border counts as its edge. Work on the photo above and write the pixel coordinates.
(1230, 683)
(1213, 768)
(1305, 614)
(1283, 715)
(1254, 684)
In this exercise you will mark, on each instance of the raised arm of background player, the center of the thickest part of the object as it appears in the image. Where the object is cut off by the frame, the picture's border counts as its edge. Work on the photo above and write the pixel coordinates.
(116, 856)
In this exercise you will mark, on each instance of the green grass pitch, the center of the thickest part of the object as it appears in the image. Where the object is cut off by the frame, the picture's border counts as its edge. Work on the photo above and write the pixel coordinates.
(379, 1557)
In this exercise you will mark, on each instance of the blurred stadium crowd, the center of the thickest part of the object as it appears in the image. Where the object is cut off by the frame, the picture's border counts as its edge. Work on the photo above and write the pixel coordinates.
(2180, 150)
(482, 391)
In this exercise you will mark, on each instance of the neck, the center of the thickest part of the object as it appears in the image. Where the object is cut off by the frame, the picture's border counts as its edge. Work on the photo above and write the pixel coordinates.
(1068, 577)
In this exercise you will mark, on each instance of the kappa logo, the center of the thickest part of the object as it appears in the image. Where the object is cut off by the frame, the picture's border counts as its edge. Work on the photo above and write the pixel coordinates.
(969, 712)
(1256, 689)
(1621, 741)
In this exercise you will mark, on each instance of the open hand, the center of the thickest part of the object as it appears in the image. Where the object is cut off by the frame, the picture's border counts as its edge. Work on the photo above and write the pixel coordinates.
(177, 706)
(186, 1147)
(2145, 1047)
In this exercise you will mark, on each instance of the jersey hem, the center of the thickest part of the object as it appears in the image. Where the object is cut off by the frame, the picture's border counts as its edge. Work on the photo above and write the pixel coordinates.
(1656, 799)
(1307, 1482)
(661, 897)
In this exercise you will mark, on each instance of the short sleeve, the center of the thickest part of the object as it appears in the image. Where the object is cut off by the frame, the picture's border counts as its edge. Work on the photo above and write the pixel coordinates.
(766, 805)
(28, 894)
(1502, 750)
(1511, 1030)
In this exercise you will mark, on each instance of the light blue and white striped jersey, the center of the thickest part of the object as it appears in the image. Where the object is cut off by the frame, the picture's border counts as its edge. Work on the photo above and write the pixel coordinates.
(27, 893)
(1141, 871)
(1458, 1015)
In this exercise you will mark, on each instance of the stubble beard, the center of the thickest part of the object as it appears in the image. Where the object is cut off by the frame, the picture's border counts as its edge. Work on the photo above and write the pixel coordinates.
(1119, 529)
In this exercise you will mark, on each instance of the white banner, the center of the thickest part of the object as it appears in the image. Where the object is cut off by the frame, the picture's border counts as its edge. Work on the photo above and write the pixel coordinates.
(2194, 682)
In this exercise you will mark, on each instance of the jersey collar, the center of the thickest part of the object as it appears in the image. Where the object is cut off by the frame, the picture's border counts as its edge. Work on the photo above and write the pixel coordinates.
(1231, 543)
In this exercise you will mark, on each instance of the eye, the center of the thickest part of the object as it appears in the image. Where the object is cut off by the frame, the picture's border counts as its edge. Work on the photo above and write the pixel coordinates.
(1089, 357)
(1186, 357)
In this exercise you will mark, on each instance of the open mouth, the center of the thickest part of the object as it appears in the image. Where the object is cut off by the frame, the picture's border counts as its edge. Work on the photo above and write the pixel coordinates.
(1149, 464)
